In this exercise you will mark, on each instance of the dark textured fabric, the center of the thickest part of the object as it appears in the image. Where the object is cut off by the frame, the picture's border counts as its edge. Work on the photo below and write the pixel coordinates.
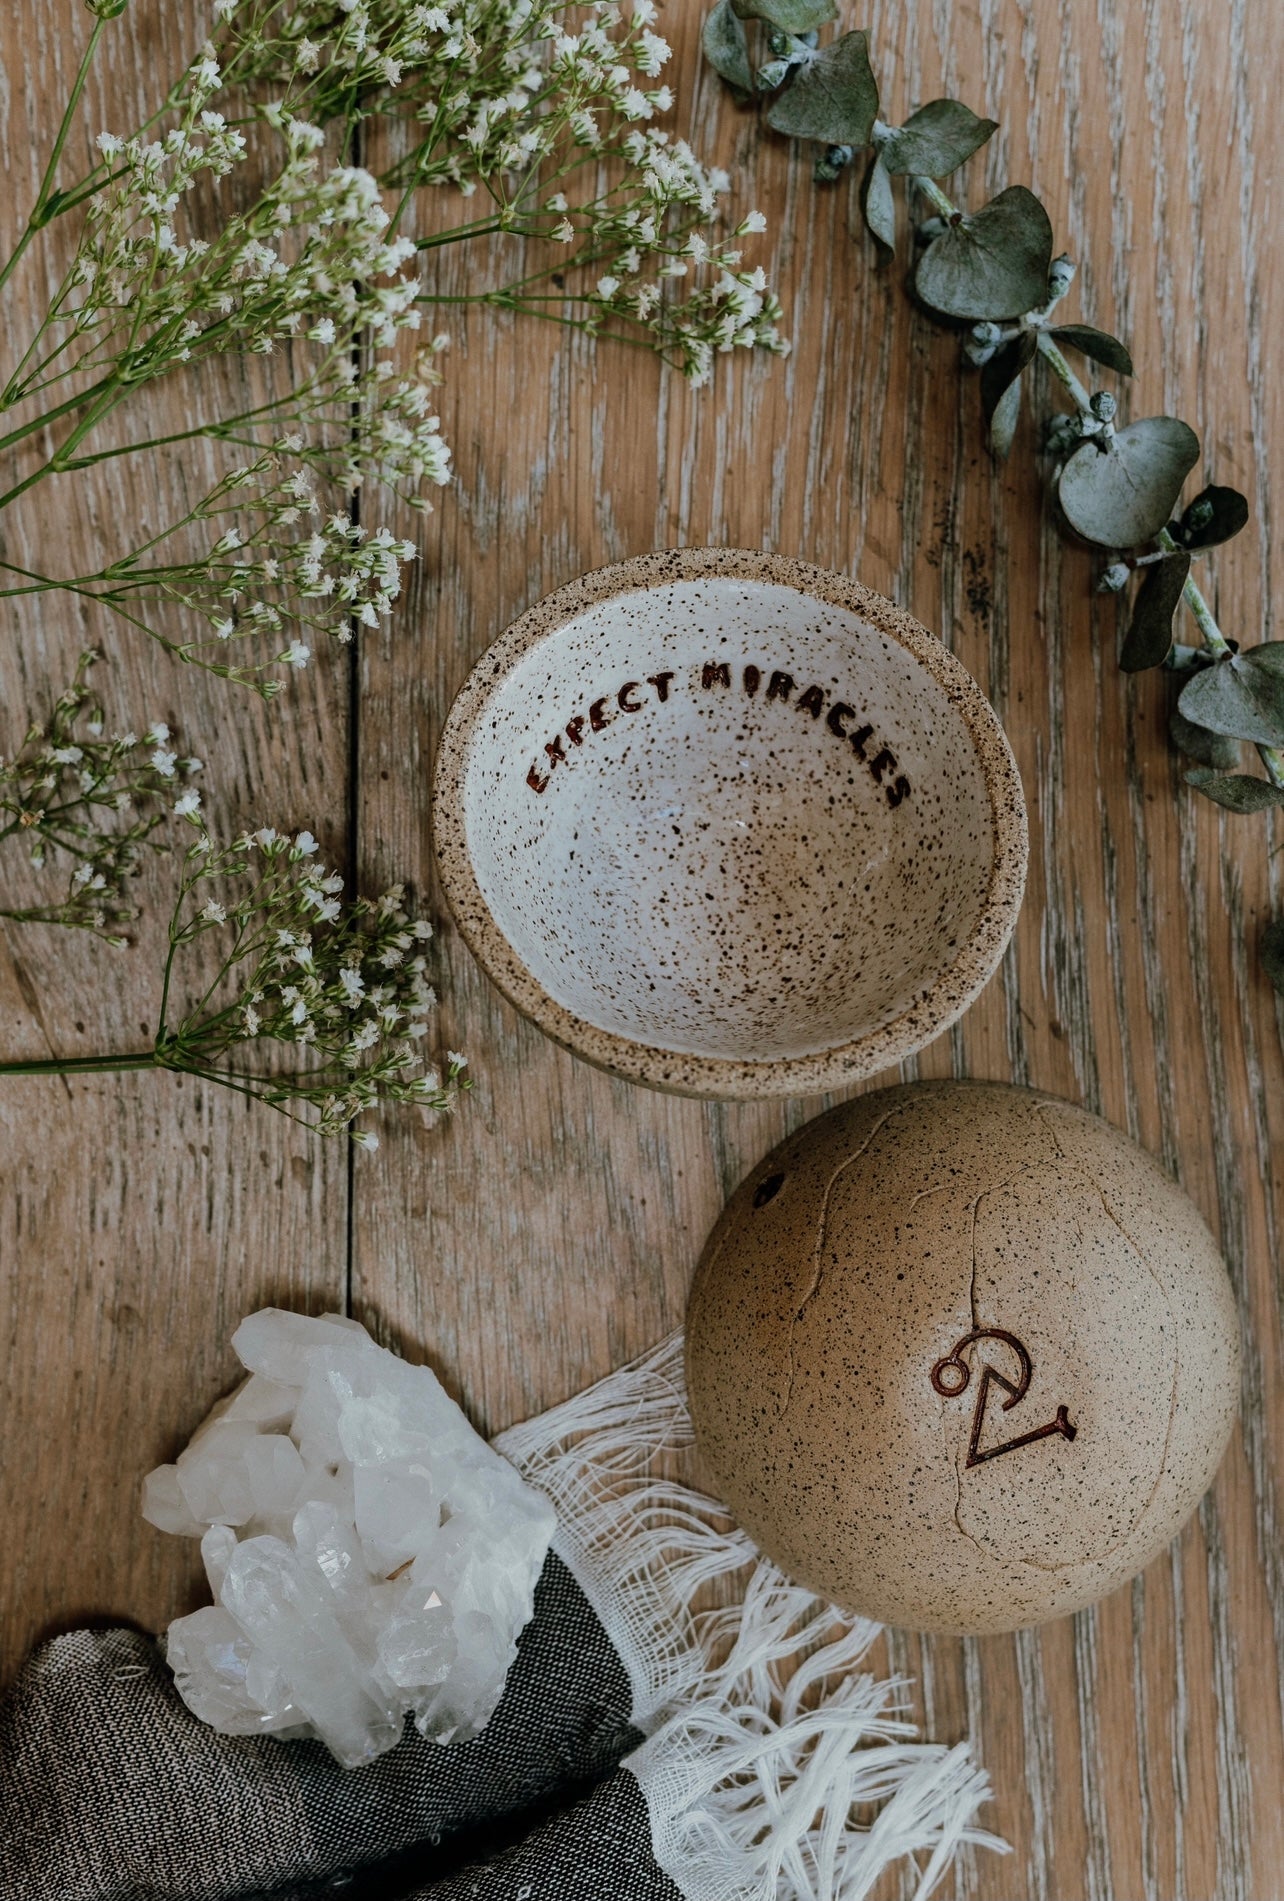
(562, 1720)
(597, 1848)
(110, 1790)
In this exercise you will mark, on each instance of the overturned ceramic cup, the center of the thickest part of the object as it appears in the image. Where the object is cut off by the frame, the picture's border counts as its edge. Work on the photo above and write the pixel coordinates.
(961, 1357)
(729, 825)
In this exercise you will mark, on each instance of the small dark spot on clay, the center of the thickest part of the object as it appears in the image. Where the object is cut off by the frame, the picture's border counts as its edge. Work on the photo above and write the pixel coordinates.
(768, 1190)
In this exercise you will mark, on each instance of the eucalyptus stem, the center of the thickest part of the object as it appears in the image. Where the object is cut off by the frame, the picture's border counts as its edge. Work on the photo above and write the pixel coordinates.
(1216, 643)
(1056, 362)
(943, 207)
(1214, 639)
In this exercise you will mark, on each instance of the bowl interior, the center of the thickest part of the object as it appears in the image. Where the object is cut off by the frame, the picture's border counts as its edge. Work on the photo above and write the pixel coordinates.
(723, 818)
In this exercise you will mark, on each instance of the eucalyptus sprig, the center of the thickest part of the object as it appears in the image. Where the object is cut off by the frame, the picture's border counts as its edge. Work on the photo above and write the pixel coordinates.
(993, 273)
(314, 1006)
(88, 803)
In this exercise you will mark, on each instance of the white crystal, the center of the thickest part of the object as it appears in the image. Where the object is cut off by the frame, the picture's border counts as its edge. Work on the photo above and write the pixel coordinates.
(164, 1504)
(369, 1554)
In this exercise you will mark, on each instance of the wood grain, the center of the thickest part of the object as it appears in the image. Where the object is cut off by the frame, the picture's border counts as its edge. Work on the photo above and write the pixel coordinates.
(142, 1216)
(549, 1231)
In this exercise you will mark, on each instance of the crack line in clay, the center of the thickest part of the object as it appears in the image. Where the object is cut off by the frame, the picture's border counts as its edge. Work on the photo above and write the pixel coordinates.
(1112, 1217)
(822, 1228)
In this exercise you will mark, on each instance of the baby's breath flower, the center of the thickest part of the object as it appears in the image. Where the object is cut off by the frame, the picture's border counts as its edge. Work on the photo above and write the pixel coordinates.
(91, 800)
(309, 1011)
(500, 93)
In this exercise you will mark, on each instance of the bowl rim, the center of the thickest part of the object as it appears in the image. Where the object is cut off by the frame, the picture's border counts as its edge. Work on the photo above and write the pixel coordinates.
(680, 1072)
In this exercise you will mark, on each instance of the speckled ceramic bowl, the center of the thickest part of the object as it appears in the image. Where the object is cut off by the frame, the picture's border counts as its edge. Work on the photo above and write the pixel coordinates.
(729, 825)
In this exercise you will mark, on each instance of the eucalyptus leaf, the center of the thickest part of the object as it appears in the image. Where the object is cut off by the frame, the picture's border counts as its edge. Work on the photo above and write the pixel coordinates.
(1096, 345)
(936, 139)
(1003, 423)
(1003, 369)
(1215, 515)
(1273, 953)
(993, 263)
(878, 205)
(726, 47)
(1210, 749)
(833, 95)
(1150, 631)
(791, 16)
(1241, 695)
(1237, 791)
(1119, 490)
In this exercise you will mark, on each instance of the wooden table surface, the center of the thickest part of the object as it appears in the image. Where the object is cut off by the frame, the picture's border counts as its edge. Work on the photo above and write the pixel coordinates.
(549, 1231)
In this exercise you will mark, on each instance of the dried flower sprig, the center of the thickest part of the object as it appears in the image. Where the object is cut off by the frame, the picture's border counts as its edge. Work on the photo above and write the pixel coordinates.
(309, 261)
(261, 581)
(548, 119)
(993, 272)
(89, 803)
(493, 94)
(339, 990)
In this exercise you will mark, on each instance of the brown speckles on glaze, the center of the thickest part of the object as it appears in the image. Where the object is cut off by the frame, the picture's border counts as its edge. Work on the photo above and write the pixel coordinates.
(729, 825)
(898, 1228)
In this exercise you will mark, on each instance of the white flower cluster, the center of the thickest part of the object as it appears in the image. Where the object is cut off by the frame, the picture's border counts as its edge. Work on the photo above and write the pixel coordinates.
(651, 229)
(345, 984)
(76, 795)
(550, 119)
(507, 93)
(310, 258)
(493, 82)
(310, 262)
(397, 440)
(279, 573)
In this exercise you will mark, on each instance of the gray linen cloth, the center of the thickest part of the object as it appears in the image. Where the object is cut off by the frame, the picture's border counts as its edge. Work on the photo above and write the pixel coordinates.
(111, 1790)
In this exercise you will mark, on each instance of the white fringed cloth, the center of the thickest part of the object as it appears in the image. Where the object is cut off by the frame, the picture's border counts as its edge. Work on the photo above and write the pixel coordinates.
(644, 1749)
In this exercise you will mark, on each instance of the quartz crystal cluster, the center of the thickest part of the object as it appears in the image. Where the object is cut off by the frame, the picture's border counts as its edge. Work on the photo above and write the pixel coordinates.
(369, 1554)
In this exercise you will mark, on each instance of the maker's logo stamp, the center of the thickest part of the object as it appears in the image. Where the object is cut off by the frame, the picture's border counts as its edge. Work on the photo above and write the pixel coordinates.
(951, 1375)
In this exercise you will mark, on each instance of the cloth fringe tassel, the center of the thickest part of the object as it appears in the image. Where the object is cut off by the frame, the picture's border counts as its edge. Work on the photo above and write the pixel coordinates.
(772, 1770)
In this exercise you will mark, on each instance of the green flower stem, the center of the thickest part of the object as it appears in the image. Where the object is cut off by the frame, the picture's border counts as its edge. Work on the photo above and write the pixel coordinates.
(78, 1065)
(46, 197)
(65, 408)
(267, 1089)
(1064, 374)
(483, 228)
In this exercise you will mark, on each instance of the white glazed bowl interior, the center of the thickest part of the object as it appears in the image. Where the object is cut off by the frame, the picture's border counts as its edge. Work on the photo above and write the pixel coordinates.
(726, 821)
